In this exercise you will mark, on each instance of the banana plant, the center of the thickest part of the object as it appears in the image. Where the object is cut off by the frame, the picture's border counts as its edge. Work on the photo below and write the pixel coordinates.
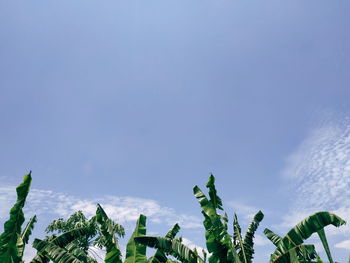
(63, 248)
(169, 245)
(160, 256)
(173, 247)
(245, 246)
(13, 239)
(135, 253)
(221, 245)
(293, 240)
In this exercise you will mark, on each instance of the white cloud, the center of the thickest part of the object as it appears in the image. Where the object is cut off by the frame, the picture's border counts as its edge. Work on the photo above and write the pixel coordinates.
(29, 253)
(260, 240)
(319, 175)
(343, 244)
(124, 209)
(246, 211)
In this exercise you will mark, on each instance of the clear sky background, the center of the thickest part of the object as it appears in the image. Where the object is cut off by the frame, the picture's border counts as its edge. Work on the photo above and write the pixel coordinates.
(131, 103)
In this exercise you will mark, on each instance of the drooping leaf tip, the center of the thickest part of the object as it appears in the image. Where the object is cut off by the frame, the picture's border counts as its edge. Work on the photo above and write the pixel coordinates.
(259, 216)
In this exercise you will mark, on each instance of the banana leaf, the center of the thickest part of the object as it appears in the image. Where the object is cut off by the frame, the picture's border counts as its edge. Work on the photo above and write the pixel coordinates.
(171, 246)
(217, 242)
(303, 230)
(136, 253)
(63, 246)
(237, 239)
(159, 256)
(72, 235)
(248, 243)
(273, 237)
(80, 254)
(295, 254)
(54, 252)
(24, 238)
(10, 239)
(40, 259)
(113, 254)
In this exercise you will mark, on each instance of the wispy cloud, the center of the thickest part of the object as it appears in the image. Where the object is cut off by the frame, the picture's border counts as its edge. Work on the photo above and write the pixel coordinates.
(123, 209)
(343, 244)
(260, 240)
(319, 174)
(247, 211)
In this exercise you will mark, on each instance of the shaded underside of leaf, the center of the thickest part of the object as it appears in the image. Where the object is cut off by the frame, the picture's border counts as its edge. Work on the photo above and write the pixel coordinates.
(54, 252)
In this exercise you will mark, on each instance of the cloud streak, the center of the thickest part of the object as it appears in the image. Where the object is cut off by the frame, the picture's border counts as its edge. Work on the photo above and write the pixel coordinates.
(319, 174)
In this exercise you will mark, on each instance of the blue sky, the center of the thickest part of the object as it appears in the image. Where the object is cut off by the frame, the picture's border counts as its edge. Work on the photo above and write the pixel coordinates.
(132, 103)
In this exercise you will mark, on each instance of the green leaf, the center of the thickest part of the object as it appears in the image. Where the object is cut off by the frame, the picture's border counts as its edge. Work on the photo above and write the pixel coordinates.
(24, 238)
(10, 238)
(136, 253)
(110, 241)
(62, 244)
(238, 241)
(214, 198)
(54, 252)
(171, 246)
(249, 236)
(303, 230)
(293, 254)
(218, 241)
(274, 238)
(323, 238)
(72, 235)
(159, 256)
(28, 229)
(80, 254)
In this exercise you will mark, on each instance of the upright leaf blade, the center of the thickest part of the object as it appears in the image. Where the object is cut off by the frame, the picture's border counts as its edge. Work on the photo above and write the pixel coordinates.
(238, 241)
(249, 236)
(24, 238)
(136, 253)
(113, 254)
(9, 239)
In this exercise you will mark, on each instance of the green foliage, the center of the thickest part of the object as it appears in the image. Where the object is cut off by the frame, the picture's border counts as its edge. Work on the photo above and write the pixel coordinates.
(76, 220)
(274, 238)
(63, 248)
(171, 246)
(218, 241)
(302, 231)
(220, 244)
(136, 253)
(13, 240)
(159, 256)
(52, 251)
(248, 243)
(108, 238)
(71, 239)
